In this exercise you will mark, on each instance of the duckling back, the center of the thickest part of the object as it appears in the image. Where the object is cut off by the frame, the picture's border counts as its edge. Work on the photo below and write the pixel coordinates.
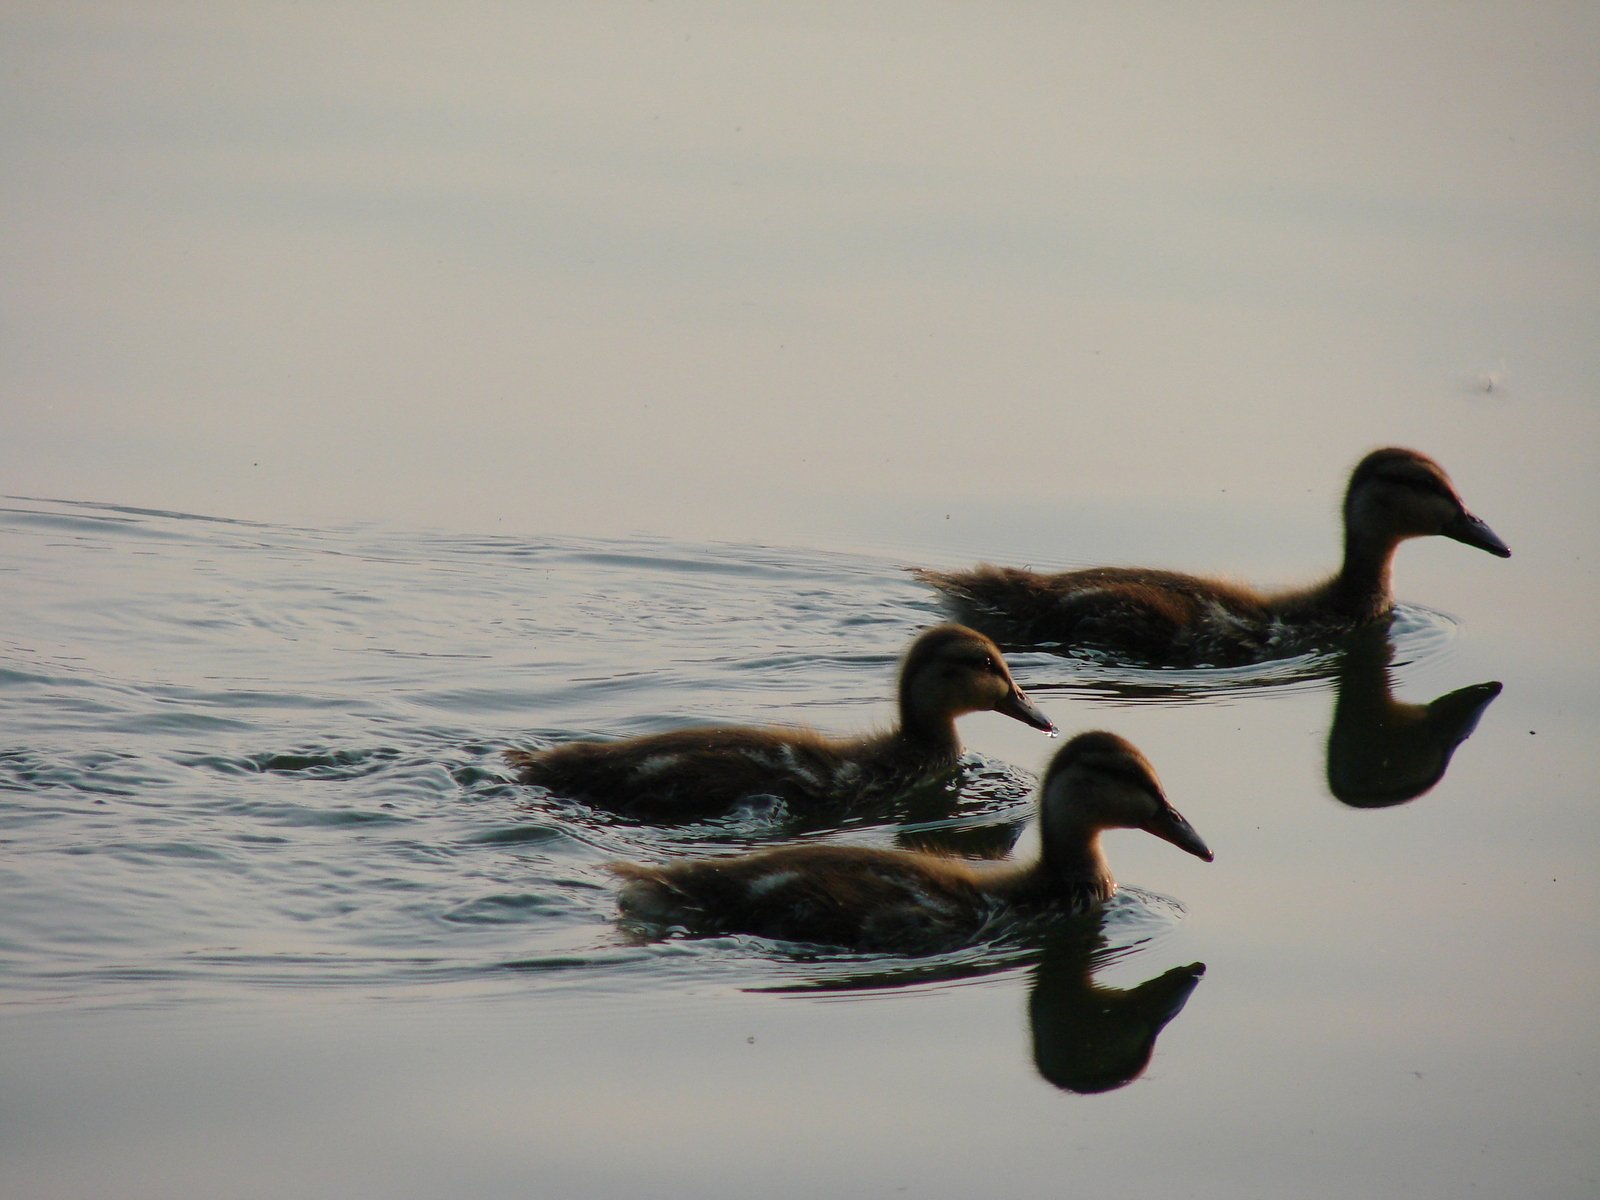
(857, 897)
(691, 772)
(1157, 617)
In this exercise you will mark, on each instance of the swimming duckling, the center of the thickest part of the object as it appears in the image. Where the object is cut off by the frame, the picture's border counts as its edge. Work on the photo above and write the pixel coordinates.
(1170, 619)
(865, 898)
(948, 671)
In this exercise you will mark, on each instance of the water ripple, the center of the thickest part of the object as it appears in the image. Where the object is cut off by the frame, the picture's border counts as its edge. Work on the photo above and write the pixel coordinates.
(1419, 635)
(270, 757)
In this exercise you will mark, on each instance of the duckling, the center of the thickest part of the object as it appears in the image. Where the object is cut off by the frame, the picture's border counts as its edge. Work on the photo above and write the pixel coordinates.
(865, 898)
(947, 671)
(1166, 618)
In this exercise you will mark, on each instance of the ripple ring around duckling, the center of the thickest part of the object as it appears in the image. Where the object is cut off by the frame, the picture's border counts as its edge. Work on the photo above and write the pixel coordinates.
(1419, 635)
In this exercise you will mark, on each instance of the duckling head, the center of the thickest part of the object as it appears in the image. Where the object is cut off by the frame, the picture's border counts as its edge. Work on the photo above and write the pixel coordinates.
(1396, 494)
(1101, 781)
(951, 670)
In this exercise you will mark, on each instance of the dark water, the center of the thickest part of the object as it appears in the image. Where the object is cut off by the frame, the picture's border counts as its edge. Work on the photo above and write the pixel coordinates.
(276, 917)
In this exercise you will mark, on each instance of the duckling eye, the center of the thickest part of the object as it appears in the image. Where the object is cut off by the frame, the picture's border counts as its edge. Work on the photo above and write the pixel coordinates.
(980, 666)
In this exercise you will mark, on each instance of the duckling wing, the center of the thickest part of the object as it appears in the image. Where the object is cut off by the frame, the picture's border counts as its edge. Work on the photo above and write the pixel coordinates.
(850, 896)
(1143, 612)
(686, 772)
(1153, 615)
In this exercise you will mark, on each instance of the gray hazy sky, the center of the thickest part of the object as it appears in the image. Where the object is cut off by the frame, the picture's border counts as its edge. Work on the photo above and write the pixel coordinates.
(717, 270)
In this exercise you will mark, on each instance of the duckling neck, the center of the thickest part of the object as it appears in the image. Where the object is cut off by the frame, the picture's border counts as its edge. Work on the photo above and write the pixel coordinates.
(1074, 865)
(932, 732)
(1361, 589)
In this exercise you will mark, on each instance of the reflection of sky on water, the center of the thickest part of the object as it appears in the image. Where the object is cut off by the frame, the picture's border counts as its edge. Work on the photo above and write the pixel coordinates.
(691, 271)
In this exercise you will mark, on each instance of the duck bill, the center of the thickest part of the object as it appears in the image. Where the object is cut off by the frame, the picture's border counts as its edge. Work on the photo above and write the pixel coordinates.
(1018, 707)
(1170, 826)
(1470, 531)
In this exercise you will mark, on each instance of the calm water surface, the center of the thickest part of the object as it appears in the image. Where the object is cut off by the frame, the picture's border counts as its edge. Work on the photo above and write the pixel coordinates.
(276, 922)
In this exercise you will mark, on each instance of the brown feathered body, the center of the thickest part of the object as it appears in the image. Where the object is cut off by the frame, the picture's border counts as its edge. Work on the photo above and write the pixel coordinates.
(859, 897)
(692, 772)
(1168, 618)
(866, 898)
(947, 672)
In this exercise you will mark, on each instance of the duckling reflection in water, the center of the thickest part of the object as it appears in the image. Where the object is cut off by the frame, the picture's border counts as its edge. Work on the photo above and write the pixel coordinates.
(1382, 751)
(1091, 1038)
(1166, 618)
(948, 671)
(865, 898)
